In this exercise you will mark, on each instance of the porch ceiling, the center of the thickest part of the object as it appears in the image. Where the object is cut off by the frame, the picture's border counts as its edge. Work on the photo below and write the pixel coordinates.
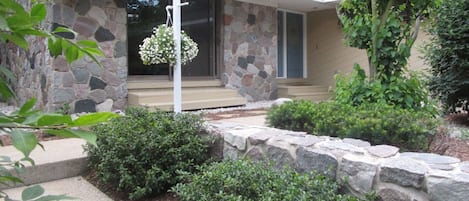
(307, 5)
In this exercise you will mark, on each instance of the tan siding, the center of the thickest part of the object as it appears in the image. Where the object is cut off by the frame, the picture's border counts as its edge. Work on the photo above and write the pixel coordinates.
(327, 53)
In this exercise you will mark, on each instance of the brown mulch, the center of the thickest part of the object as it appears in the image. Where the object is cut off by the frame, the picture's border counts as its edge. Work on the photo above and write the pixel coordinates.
(234, 114)
(5, 140)
(444, 144)
(110, 191)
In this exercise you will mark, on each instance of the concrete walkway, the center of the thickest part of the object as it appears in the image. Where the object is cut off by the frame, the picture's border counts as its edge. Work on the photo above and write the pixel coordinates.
(258, 120)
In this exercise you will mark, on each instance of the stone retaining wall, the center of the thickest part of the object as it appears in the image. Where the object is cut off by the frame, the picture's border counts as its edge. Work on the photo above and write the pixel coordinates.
(364, 168)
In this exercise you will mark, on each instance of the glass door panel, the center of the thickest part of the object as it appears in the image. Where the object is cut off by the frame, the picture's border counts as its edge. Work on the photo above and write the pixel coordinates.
(197, 21)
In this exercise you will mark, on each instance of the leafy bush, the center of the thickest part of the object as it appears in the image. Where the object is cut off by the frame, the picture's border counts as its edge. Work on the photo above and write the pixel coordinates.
(448, 53)
(250, 181)
(376, 123)
(142, 152)
(408, 92)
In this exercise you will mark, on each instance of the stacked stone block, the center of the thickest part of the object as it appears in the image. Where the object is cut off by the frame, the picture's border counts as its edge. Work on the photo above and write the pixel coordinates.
(363, 168)
(250, 49)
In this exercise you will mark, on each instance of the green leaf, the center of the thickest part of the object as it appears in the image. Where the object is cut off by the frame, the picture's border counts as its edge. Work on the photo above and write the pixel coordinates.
(63, 30)
(71, 54)
(7, 179)
(4, 24)
(5, 90)
(18, 40)
(7, 73)
(26, 107)
(54, 119)
(93, 118)
(39, 12)
(88, 43)
(24, 141)
(55, 198)
(32, 192)
(68, 133)
(55, 46)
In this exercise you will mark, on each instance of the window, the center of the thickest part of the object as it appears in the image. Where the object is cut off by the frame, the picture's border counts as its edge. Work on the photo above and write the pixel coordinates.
(198, 21)
(291, 44)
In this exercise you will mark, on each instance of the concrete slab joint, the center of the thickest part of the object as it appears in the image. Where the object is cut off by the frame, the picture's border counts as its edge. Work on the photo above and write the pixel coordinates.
(363, 168)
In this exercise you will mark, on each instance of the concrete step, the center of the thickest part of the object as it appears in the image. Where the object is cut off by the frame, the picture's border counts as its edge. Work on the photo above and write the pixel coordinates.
(188, 94)
(61, 159)
(199, 104)
(76, 187)
(165, 84)
(310, 96)
(284, 90)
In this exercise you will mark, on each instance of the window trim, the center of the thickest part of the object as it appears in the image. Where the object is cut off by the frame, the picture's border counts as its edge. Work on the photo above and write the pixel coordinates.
(305, 42)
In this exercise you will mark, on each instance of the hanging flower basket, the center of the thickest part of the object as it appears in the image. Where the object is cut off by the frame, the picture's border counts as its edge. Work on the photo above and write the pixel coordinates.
(159, 48)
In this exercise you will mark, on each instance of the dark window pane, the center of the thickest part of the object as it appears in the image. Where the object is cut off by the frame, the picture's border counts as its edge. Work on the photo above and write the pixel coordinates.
(280, 53)
(295, 44)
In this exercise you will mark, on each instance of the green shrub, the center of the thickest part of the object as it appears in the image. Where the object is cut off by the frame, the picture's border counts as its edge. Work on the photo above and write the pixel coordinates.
(376, 123)
(407, 92)
(448, 54)
(141, 152)
(251, 181)
(293, 115)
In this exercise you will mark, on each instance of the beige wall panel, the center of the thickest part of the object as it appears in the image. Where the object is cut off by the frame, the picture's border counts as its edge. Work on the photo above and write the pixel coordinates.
(327, 53)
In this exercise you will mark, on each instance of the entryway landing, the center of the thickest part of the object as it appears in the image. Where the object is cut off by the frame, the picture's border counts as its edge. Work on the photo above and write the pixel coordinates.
(196, 94)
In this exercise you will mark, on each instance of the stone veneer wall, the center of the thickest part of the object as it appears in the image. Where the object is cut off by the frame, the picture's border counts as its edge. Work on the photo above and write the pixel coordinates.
(364, 168)
(84, 85)
(250, 49)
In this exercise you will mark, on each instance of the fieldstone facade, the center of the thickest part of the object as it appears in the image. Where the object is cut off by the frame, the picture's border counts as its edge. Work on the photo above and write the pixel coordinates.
(84, 85)
(250, 49)
(363, 168)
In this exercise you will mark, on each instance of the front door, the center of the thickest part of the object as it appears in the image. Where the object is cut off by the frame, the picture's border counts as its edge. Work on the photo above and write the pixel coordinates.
(198, 21)
(291, 44)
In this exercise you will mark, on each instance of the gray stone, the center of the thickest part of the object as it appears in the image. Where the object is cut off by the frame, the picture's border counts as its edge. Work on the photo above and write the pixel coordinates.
(96, 83)
(120, 3)
(403, 171)
(431, 158)
(262, 74)
(120, 49)
(255, 154)
(95, 69)
(86, 105)
(103, 34)
(105, 106)
(309, 159)
(464, 166)
(238, 138)
(82, 76)
(341, 146)
(280, 156)
(85, 26)
(111, 92)
(259, 138)
(82, 7)
(445, 167)
(111, 79)
(60, 95)
(230, 153)
(98, 14)
(68, 16)
(281, 101)
(305, 141)
(453, 188)
(98, 95)
(67, 79)
(57, 13)
(358, 172)
(382, 151)
(60, 64)
(356, 142)
(390, 194)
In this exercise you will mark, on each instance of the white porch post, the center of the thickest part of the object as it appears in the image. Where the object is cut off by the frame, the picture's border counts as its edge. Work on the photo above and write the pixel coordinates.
(177, 68)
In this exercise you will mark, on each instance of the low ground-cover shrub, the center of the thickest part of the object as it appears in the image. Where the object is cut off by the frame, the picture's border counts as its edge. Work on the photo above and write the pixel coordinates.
(251, 181)
(405, 91)
(141, 152)
(376, 123)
